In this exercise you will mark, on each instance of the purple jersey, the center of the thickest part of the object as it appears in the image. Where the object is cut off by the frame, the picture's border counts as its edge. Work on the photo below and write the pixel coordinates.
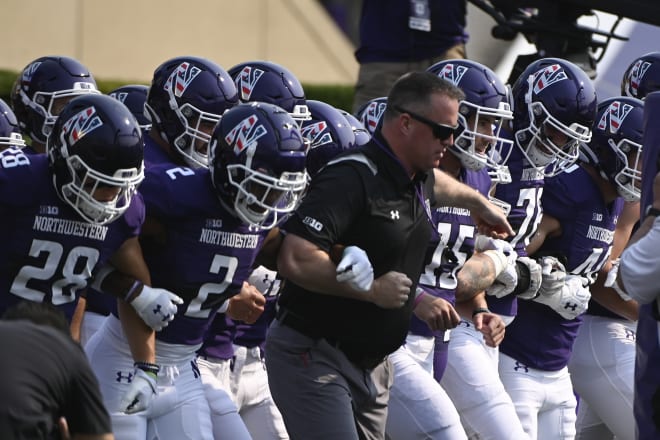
(154, 153)
(225, 331)
(206, 252)
(49, 252)
(524, 195)
(539, 337)
(444, 259)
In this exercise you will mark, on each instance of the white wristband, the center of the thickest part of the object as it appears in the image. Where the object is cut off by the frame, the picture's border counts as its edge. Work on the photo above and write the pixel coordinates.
(499, 260)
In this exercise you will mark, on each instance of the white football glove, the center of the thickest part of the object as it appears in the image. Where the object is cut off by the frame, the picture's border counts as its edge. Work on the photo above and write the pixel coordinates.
(355, 269)
(572, 299)
(535, 278)
(611, 280)
(156, 307)
(507, 278)
(553, 274)
(140, 393)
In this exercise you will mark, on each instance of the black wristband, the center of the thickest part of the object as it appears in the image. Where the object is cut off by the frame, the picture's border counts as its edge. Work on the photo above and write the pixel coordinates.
(478, 310)
(148, 367)
(523, 278)
(652, 212)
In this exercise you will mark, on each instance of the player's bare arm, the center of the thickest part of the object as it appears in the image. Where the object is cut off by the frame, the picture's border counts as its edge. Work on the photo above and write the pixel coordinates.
(476, 275)
(131, 266)
(548, 227)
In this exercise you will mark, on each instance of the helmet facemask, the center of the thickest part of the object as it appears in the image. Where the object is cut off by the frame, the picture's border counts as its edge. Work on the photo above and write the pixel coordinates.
(499, 174)
(50, 104)
(193, 143)
(541, 150)
(465, 144)
(13, 140)
(262, 200)
(628, 180)
(79, 192)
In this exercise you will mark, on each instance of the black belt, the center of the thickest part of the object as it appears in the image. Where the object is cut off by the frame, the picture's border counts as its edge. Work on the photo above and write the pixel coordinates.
(299, 324)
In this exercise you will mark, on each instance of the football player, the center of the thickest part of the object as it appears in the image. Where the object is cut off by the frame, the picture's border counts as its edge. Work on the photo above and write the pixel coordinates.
(96, 305)
(206, 227)
(241, 370)
(415, 393)
(637, 275)
(41, 91)
(603, 359)
(71, 211)
(581, 207)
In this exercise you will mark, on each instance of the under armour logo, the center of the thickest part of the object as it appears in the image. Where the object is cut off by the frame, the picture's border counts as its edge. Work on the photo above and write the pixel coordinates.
(394, 214)
(128, 378)
(521, 367)
(571, 306)
(195, 368)
(158, 311)
(630, 334)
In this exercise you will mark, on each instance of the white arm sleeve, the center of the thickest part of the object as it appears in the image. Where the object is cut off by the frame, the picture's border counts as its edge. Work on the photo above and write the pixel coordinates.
(640, 266)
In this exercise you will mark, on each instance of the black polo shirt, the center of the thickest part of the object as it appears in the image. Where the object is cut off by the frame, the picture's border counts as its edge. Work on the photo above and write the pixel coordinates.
(365, 199)
(45, 375)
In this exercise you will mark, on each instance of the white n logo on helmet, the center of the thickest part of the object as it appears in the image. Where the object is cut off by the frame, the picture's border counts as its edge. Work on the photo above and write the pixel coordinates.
(246, 81)
(614, 116)
(548, 76)
(26, 77)
(181, 78)
(245, 133)
(317, 134)
(637, 73)
(81, 124)
(121, 96)
(452, 73)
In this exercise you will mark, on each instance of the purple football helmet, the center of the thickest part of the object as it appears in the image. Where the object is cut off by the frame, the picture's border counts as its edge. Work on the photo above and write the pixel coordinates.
(362, 135)
(328, 133)
(134, 96)
(43, 88)
(553, 99)
(257, 163)
(486, 98)
(10, 133)
(187, 97)
(642, 76)
(265, 81)
(616, 145)
(371, 113)
(96, 143)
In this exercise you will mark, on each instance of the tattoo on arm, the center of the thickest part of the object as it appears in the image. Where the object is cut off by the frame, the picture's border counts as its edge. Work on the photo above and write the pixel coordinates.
(476, 276)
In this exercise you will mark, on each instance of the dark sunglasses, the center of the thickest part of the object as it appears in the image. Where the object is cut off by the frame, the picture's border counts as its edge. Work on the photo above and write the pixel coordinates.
(440, 131)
